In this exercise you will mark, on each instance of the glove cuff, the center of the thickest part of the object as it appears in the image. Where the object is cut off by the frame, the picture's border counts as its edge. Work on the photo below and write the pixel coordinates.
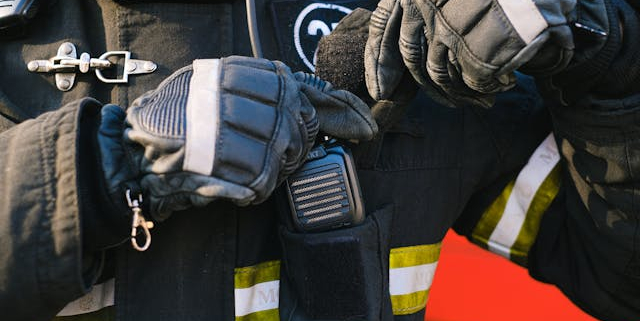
(105, 218)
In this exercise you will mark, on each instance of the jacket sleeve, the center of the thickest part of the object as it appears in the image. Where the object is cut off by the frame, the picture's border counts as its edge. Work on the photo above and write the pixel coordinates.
(42, 191)
(580, 231)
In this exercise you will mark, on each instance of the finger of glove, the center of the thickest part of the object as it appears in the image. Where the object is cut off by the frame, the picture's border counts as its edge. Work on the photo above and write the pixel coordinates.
(302, 132)
(178, 191)
(414, 49)
(304, 127)
(413, 43)
(340, 113)
(476, 62)
(459, 90)
(444, 73)
(382, 58)
(287, 153)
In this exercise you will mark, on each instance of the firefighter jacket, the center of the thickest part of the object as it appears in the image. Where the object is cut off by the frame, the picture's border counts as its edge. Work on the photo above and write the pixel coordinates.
(224, 262)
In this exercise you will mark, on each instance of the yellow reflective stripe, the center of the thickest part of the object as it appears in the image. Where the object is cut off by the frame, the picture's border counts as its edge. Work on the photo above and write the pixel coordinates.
(414, 255)
(490, 218)
(256, 294)
(104, 314)
(246, 277)
(409, 303)
(510, 225)
(541, 202)
(268, 315)
(411, 271)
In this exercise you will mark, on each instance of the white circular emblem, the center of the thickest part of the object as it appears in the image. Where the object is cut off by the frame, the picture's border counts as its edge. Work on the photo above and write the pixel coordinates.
(323, 27)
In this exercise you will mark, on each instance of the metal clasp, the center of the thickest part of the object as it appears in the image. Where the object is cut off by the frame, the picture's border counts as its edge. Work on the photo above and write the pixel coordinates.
(65, 64)
(138, 221)
(131, 67)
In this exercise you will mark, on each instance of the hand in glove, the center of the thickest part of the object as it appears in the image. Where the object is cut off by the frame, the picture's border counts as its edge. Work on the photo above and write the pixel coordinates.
(465, 51)
(228, 128)
(340, 60)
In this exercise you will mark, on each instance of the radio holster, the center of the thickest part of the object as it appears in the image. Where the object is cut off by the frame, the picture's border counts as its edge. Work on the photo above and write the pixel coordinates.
(340, 274)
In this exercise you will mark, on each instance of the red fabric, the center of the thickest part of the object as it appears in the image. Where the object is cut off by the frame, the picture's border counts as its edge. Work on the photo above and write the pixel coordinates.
(472, 284)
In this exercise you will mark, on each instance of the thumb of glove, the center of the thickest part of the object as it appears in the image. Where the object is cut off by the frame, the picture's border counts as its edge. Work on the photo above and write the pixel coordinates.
(340, 113)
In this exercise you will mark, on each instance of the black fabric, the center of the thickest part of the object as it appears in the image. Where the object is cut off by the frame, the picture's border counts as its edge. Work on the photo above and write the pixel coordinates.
(187, 273)
(594, 233)
(588, 243)
(300, 24)
(621, 77)
(593, 56)
(40, 213)
(340, 274)
(106, 220)
(185, 1)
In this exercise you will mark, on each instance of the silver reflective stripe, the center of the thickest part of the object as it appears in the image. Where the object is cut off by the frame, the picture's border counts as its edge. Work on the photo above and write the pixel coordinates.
(202, 116)
(260, 297)
(256, 293)
(525, 18)
(7, 7)
(100, 296)
(411, 271)
(541, 163)
(411, 279)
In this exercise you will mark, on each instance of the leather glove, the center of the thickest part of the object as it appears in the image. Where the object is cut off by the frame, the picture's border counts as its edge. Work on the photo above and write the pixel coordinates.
(467, 51)
(229, 128)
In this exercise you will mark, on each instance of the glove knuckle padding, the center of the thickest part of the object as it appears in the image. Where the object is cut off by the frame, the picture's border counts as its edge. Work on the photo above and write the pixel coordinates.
(267, 145)
(248, 117)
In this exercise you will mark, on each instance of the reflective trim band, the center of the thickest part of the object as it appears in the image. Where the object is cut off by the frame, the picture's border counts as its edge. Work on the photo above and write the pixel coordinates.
(490, 218)
(509, 226)
(414, 255)
(258, 298)
(525, 18)
(100, 296)
(411, 279)
(410, 276)
(202, 116)
(104, 314)
(246, 277)
(531, 177)
(410, 303)
(257, 290)
(544, 196)
(268, 315)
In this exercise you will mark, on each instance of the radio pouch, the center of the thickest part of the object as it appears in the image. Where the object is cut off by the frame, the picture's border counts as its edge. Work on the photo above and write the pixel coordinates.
(341, 274)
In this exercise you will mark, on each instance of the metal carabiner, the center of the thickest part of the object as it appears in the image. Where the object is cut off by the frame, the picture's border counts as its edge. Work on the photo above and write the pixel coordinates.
(138, 220)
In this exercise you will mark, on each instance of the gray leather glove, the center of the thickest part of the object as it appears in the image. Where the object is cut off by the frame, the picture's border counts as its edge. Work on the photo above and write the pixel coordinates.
(228, 128)
(467, 50)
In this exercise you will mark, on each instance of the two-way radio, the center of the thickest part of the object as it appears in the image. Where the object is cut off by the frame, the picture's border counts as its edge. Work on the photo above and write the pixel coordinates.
(324, 193)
